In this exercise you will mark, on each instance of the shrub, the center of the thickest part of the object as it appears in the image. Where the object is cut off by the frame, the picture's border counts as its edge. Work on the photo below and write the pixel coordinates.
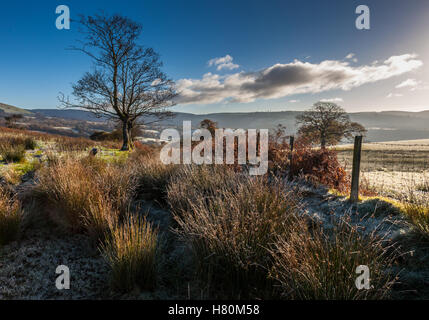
(231, 231)
(130, 250)
(316, 265)
(10, 218)
(320, 166)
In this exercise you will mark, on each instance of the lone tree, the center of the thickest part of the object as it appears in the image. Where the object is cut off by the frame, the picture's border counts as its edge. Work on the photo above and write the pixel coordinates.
(327, 123)
(209, 125)
(127, 82)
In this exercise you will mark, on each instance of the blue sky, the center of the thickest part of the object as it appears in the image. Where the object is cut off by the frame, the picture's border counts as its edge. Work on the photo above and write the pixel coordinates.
(266, 43)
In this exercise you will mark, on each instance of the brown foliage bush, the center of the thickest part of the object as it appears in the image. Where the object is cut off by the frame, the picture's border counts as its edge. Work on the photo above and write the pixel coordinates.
(320, 166)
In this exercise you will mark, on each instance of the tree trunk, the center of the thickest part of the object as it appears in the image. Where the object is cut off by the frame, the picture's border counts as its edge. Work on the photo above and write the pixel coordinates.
(126, 137)
(130, 126)
(323, 141)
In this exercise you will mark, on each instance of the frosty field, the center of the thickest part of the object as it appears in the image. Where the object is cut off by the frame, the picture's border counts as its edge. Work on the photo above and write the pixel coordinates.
(392, 168)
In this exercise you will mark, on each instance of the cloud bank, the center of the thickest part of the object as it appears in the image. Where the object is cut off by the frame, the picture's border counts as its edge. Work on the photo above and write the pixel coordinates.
(282, 80)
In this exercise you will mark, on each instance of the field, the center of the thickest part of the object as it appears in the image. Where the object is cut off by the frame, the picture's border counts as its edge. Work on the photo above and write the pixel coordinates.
(392, 168)
(129, 227)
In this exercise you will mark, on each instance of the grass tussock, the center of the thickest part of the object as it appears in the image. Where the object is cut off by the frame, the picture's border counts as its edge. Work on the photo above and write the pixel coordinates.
(191, 183)
(418, 213)
(10, 218)
(13, 148)
(152, 177)
(311, 264)
(99, 218)
(30, 143)
(130, 250)
(12, 153)
(231, 231)
(250, 240)
(78, 192)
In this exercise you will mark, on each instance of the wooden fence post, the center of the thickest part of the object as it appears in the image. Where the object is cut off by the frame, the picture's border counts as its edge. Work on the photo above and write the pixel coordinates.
(354, 194)
(291, 141)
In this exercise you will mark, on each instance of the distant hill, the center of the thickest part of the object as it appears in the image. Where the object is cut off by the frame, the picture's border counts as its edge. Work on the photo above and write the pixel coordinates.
(69, 114)
(13, 110)
(382, 126)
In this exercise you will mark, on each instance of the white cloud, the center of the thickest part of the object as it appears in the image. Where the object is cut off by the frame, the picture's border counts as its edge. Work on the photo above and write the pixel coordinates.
(293, 101)
(394, 95)
(223, 63)
(296, 77)
(332, 100)
(409, 83)
(350, 56)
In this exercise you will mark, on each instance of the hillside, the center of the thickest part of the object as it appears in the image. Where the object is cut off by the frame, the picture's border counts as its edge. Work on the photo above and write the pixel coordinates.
(382, 126)
(13, 110)
(68, 114)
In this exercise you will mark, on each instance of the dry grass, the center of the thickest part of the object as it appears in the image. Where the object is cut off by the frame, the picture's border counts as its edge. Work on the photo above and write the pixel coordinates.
(248, 235)
(12, 153)
(27, 142)
(61, 143)
(77, 192)
(130, 249)
(311, 264)
(250, 240)
(191, 183)
(99, 218)
(231, 230)
(416, 208)
(10, 218)
(152, 177)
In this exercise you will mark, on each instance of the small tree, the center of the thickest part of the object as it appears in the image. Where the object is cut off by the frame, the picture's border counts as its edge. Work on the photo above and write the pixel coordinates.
(209, 125)
(127, 82)
(327, 123)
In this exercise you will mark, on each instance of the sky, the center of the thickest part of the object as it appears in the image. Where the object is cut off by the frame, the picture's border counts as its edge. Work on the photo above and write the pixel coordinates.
(235, 56)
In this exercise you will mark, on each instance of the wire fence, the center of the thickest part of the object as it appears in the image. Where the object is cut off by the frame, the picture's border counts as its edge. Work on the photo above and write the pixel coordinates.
(391, 169)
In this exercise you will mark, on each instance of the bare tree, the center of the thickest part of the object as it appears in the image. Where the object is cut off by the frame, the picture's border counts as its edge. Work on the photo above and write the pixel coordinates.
(327, 123)
(127, 82)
